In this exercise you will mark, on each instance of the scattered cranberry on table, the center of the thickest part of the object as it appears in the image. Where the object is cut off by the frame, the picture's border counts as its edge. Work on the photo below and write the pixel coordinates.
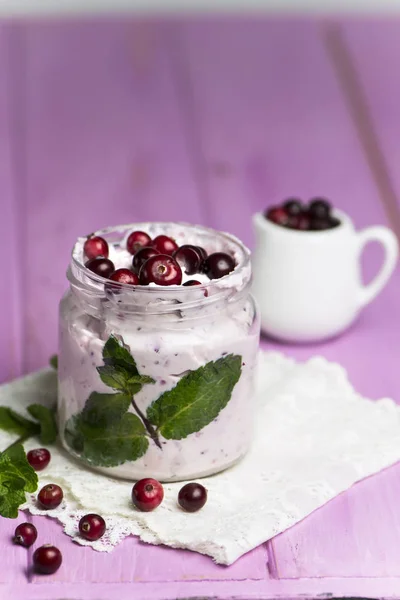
(137, 240)
(292, 214)
(38, 458)
(103, 267)
(95, 246)
(25, 535)
(192, 497)
(47, 559)
(147, 494)
(50, 496)
(161, 270)
(165, 245)
(92, 527)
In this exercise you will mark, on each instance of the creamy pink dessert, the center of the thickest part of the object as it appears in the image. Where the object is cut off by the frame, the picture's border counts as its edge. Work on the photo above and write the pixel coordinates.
(157, 381)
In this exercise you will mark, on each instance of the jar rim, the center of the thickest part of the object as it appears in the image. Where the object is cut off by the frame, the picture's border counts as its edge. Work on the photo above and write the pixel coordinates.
(239, 279)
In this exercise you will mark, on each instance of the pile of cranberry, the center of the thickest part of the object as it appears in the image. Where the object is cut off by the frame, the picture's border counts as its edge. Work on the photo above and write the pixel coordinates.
(147, 494)
(160, 261)
(316, 216)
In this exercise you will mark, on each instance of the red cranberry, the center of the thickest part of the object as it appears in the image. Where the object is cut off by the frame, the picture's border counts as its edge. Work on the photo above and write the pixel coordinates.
(147, 494)
(293, 207)
(218, 264)
(319, 224)
(137, 240)
(25, 535)
(277, 215)
(50, 496)
(92, 527)
(300, 222)
(319, 208)
(202, 252)
(47, 559)
(189, 259)
(141, 256)
(103, 267)
(95, 246)
(162, 270)
(38, 458)
(333, 222)
(165, 244)
(192, 497)
(191, 282)
(125, 276)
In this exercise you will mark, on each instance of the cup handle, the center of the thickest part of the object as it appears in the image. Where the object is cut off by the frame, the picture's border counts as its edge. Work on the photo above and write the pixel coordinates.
(387, 238)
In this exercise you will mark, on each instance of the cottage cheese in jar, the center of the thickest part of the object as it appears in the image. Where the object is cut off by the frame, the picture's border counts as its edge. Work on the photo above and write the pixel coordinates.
(157, 380)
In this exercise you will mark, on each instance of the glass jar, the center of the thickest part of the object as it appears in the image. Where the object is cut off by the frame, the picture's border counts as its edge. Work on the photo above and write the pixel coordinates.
(158, 381)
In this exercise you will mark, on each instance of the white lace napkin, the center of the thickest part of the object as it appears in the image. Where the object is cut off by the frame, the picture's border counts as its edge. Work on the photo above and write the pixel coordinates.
(315, 438)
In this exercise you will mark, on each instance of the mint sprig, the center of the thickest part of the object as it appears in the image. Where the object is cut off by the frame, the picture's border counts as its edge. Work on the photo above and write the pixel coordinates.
(45, 428)
(16, 477)
(108, 445)
(106, 434)
(16, 474)
(197, 399)
(13, 422)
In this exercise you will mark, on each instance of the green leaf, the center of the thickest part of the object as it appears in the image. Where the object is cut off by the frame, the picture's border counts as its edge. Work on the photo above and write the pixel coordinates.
(121, 379)
(116, 354)
(197, 399)
(15, 423)
(108, 446)
(16, 478)
(47, 421)
(17, 457)
(101, 410)
(54, 362)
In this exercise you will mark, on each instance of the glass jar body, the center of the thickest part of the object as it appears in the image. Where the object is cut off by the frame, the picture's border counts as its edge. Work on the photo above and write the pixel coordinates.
(205, 357)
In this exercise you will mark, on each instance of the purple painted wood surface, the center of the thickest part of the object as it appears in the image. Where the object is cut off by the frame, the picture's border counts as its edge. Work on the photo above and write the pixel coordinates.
(105, 144)
(202, 121)
(10, 290)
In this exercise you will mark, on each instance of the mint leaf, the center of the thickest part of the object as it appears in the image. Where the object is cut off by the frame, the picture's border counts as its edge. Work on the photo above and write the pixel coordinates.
(54, 362)
(14, 423)
(197, 399)
(47, 421)
(116, 354)
(101, 410)
(119, 378)
(108, 446)
(16, 478)
(17, 457)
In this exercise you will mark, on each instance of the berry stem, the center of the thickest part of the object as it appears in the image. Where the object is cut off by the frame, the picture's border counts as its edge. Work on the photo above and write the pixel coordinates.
(151, 431)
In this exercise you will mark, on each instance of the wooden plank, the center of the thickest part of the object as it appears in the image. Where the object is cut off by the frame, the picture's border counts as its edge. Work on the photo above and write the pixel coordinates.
(357, 530)
(306, 589)
(14, 559)
(286, 132)
(105, 145)
(371, 48)
(11, 235)
(135, 561)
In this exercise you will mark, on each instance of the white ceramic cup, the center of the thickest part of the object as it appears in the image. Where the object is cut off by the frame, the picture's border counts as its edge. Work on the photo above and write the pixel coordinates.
(308, 283)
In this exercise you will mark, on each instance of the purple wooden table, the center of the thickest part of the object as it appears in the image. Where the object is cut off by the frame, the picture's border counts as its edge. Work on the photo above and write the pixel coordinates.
(207, 121)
